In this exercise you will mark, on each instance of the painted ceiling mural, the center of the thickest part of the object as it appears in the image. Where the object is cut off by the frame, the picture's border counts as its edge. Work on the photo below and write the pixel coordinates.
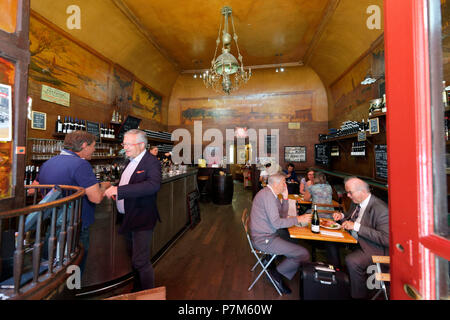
(59, 62)
(268, 107)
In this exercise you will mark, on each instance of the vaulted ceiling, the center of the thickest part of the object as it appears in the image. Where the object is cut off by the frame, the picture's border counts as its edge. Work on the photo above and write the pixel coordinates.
(328, 35)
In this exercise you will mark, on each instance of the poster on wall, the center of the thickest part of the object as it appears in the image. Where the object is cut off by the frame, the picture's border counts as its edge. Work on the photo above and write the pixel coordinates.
(5, 113)
(295, 154)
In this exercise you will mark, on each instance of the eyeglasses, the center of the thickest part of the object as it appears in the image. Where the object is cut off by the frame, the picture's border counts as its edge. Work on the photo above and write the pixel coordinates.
(129, 144)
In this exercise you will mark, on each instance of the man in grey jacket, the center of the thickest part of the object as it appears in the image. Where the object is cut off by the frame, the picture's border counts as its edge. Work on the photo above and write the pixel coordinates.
(368, 221)
(268, 215)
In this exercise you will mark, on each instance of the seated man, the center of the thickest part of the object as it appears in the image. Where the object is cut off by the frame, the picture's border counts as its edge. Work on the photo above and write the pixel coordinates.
(268, 215)
(264, 175)
(292, 180)
(368, 221)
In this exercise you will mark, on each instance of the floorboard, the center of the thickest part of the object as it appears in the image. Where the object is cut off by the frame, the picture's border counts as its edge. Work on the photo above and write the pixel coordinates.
(213, 260)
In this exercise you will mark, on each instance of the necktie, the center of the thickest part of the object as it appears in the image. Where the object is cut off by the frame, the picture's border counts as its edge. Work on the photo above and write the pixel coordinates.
(355, 213)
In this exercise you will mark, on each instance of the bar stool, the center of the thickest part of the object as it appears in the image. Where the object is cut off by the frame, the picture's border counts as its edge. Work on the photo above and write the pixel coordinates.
(203, 187)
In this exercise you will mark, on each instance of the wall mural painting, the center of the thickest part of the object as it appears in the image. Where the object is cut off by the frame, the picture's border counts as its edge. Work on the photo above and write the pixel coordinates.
(146, 103)
(348, 93)
(268, 107)
(121, 90)
(7, 70)
(61, 63)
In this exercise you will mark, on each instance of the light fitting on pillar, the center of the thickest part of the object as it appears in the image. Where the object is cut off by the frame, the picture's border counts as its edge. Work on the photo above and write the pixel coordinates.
(226, 73)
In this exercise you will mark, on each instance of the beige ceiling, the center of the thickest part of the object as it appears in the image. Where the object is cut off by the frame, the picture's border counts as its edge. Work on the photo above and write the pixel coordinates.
(329, 35)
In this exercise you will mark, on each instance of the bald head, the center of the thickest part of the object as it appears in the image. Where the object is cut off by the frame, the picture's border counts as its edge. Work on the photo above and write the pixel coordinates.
(357, 189)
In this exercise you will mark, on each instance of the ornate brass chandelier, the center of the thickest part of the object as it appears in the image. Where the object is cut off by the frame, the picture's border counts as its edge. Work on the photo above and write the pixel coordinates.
(226, 73)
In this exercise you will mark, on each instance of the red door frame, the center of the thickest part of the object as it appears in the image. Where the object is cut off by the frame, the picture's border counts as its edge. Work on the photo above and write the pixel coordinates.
(410, 150)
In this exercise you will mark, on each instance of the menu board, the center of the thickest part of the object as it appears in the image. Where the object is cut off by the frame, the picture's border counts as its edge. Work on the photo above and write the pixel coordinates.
(381, 171)
(193, 208)
(129, 123)
(94, 128)
(322, 154)
(295, 154)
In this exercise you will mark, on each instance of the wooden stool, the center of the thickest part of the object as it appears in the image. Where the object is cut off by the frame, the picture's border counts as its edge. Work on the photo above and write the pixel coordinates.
(203, 188)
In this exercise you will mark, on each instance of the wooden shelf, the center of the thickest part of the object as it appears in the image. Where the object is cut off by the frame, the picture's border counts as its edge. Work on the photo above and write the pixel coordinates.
(112, 140)
(350, 136)
(377, 114)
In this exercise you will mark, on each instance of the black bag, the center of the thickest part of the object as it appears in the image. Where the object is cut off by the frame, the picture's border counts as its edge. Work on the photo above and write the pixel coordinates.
(320, 281)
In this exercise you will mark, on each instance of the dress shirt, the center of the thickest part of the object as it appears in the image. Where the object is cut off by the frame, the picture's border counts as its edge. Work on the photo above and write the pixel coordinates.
(361, 213)
(125, 178)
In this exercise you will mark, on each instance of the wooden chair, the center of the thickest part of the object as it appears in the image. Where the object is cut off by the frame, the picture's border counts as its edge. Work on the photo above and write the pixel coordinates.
(158, 293)
(380, 276)
(258, 254)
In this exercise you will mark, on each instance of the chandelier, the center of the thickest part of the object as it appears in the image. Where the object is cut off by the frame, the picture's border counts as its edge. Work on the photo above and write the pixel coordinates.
(226, 73)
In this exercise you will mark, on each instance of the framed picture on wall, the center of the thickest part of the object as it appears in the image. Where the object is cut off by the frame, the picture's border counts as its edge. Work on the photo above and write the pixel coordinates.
(374, 126)
(294, 154)
(5, 112)
(38, 120)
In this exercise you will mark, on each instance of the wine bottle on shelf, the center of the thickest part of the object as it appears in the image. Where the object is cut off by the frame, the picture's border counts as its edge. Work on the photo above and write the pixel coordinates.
(77, 125)
(315, 221)
(69, 125)
(27, 176)
(65, 125)
(58, 125)
(83, 125)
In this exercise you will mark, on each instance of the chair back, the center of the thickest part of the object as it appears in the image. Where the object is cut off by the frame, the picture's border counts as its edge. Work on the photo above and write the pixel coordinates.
(332, 207)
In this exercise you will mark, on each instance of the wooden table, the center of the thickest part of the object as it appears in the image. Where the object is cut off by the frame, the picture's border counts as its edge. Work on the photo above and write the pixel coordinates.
(307, 234)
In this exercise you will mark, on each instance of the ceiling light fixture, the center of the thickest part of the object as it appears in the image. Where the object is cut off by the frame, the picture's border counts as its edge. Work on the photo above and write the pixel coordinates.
(226, 73)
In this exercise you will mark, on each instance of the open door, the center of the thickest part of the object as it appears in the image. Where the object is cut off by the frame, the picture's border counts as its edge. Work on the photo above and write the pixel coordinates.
(415, 34)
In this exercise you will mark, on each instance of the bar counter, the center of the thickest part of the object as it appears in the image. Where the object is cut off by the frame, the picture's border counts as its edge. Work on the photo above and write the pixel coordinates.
(108, 259)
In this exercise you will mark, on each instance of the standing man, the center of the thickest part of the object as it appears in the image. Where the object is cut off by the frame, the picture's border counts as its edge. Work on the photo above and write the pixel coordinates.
(71, 167)
(267, 216)
(136, 198)
(154, 150)
(368, 221)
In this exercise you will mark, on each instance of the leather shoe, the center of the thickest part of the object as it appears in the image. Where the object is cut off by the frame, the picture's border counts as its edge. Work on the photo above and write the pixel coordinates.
(277, 278)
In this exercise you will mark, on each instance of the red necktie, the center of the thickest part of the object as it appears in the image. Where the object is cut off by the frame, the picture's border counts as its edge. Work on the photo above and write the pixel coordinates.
(355, 213)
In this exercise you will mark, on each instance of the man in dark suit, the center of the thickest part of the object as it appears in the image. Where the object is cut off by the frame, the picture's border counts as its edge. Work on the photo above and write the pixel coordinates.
(136, 198)
(268, 215)
(368, 221)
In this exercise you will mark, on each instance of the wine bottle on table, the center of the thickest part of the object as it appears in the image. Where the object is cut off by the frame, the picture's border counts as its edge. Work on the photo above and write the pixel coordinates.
(315, 221)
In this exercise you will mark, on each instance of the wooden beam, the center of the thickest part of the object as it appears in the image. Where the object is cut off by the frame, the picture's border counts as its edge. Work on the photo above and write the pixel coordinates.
(328, 13)
(142, 29)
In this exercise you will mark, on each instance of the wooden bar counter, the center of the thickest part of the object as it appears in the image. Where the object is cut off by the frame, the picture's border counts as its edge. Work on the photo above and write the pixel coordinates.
(108, 259)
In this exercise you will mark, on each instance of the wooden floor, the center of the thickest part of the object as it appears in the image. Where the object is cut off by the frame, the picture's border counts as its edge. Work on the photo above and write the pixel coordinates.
(213, 260)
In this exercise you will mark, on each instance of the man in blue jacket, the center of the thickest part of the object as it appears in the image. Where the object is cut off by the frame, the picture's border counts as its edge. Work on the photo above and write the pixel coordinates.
(136, 199)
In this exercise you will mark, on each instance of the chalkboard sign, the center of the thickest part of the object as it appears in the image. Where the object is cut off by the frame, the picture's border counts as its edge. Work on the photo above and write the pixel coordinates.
(93, 128)
(193, 208)
(295, 154)
(381, 171)
(129, 123)
(322, 154)
(38, 120)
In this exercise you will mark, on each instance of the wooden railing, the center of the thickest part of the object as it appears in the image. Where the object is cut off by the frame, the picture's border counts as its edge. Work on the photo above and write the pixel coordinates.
(61, 239)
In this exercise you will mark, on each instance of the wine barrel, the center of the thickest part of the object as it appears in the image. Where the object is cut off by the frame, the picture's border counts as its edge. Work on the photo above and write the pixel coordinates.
(223, 188)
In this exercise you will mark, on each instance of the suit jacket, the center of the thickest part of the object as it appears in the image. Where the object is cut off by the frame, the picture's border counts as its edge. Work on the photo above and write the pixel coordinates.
(373, 235)
(268, 215)
(140, 196)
